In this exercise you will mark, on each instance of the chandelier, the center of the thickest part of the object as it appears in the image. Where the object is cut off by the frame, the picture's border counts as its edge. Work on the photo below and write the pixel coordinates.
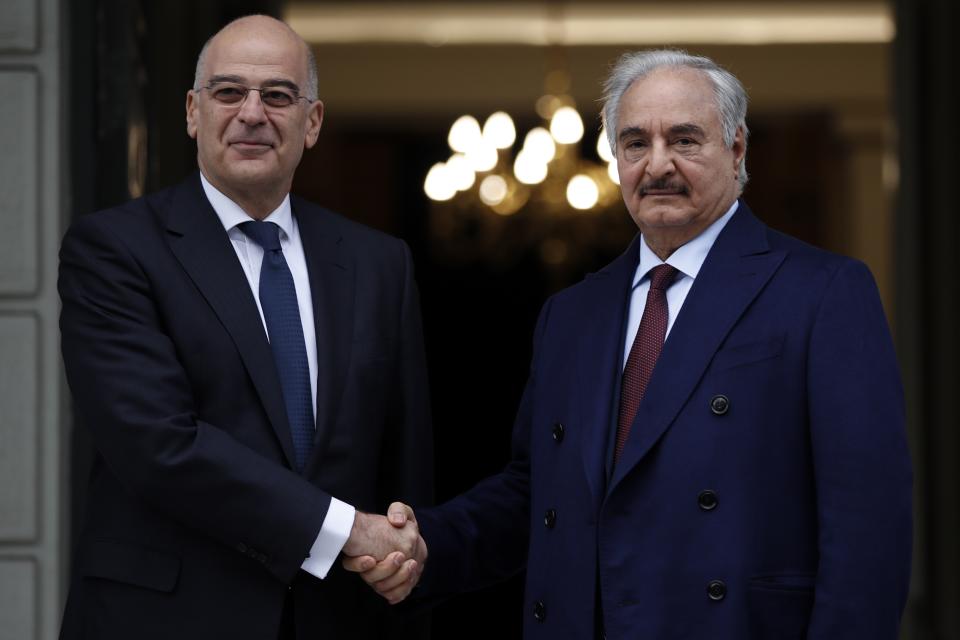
(495, 196)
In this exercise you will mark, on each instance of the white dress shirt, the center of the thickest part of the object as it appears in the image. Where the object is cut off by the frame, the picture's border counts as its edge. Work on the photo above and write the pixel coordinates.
(687, 259)
(339, 519)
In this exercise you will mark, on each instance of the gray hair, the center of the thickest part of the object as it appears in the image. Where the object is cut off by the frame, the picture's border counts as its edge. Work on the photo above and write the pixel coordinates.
(731, 98)
(312, 82)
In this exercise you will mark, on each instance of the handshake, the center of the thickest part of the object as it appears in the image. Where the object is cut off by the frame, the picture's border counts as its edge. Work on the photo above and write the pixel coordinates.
(387, 551)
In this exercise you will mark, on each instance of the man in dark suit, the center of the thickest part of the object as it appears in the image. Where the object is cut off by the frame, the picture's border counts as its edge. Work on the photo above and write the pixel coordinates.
(251, 368)
(711, 443)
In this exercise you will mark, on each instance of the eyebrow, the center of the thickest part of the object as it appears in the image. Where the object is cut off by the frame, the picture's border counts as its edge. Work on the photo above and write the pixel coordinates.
(628, 132)
(685, 128)
(271, 82)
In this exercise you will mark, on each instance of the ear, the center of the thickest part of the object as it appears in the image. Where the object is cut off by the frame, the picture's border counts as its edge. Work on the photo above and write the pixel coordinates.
(192, 107)
(314, 120)
(739, 148)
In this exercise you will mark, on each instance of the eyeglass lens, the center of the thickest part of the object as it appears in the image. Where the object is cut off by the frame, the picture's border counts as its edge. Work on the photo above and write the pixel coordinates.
(232, 94)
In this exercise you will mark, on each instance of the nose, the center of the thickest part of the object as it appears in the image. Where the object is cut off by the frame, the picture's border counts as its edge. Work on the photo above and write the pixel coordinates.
(660, 160)
(251, 111)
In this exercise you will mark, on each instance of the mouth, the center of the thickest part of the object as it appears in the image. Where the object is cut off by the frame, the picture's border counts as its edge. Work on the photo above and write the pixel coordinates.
(654, 190)
(251, 146)
(661, 193)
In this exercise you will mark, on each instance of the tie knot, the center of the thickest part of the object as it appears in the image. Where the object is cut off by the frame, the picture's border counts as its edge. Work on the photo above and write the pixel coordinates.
(265, 234)
(661, 276)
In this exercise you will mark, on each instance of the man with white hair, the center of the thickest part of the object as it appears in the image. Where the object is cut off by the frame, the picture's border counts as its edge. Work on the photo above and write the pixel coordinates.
(711, 443)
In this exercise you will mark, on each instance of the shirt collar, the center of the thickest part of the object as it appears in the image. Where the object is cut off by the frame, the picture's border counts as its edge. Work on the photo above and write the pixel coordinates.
(231, 214)
(688, 258)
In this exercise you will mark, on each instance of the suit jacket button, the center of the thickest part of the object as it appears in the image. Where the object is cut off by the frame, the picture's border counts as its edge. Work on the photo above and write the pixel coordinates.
(539, 611)
(558, 432)
(719, 404)
(708, 500)
(550, 518)
(716, 590)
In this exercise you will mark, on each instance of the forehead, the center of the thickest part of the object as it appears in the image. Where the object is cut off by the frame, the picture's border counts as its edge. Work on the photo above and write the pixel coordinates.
(250, 53)
(669, 96)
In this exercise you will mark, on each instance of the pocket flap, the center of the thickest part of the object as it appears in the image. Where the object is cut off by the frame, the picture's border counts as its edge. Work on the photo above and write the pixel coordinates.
(131, 563)
(745, 353)
(800, 581)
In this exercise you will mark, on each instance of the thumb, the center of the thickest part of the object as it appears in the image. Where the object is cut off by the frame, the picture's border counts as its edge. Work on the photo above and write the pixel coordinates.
(399, 513)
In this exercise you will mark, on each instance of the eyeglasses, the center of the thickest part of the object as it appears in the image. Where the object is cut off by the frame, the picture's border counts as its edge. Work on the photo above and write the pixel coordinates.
(233, 95)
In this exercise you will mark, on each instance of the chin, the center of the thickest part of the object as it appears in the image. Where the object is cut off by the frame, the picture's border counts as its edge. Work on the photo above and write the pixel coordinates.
(664, 216)
(251, 175)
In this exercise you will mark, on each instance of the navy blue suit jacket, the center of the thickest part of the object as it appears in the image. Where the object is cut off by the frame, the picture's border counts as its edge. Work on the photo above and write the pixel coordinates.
(195, 524)
(807, 532)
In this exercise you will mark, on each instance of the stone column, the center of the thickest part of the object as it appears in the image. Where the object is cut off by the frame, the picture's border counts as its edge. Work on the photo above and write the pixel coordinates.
(31, 390)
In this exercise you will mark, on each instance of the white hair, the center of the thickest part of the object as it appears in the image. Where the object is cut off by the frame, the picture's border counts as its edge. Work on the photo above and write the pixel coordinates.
(731, 98)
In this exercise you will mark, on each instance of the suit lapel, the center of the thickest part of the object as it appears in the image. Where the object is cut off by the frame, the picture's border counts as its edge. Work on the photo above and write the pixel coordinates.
(332, 289)
(199, 242)
(737, 268)
(599, 360)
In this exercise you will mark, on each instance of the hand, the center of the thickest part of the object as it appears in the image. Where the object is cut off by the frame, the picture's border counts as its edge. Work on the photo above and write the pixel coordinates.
(373, 535)
(396, 575)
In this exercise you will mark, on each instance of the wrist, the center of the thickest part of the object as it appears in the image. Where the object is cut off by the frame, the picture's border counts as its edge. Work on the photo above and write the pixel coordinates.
(356, 532)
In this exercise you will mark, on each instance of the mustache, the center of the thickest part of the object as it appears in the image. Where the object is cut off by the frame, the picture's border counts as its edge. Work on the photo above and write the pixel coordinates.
(663, 184)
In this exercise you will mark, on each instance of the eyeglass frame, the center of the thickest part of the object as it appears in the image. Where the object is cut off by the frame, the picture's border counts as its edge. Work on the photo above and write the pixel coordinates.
(218, 82)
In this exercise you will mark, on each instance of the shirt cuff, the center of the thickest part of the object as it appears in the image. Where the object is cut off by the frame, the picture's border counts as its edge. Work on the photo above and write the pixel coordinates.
(333, 535)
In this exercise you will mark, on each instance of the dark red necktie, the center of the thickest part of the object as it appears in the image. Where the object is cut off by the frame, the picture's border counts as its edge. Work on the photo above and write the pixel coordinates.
(644, 352)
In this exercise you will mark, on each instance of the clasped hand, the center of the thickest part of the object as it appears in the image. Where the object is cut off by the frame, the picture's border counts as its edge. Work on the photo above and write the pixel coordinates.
(387, 551)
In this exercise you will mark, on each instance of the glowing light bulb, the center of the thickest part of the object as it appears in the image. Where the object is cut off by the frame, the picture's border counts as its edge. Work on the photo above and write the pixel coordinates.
(464, 134)
(482, 156)
(528, 168)
(539, 143)
(582, 192)
(499, 131)
(566, 125)
(613, 172)
(603, 147)
(461, 173)
(438, 185)
(493, 189)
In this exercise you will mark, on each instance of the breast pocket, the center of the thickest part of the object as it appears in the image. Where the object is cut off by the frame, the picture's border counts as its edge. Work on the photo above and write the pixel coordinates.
(746, 353)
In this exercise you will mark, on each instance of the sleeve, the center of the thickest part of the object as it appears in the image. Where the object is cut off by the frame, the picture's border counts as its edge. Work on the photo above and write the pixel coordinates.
(861, 463)
(131, 391)
(481, 537)
(329, 543)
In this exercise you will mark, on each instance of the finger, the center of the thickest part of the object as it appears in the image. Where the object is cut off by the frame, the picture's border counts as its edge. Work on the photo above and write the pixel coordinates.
(399, 595)
(401, 577)
(359, 564)
(401, 591)
(398, 513)
(384, 569)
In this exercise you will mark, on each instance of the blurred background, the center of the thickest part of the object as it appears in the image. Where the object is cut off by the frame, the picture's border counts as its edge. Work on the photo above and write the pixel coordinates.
(854, 136)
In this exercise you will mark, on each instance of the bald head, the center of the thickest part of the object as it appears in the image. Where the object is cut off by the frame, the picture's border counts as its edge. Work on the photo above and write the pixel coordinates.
(258, 25)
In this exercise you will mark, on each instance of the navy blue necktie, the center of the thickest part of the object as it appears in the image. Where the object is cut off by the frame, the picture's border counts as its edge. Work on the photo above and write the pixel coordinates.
(278, 299)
